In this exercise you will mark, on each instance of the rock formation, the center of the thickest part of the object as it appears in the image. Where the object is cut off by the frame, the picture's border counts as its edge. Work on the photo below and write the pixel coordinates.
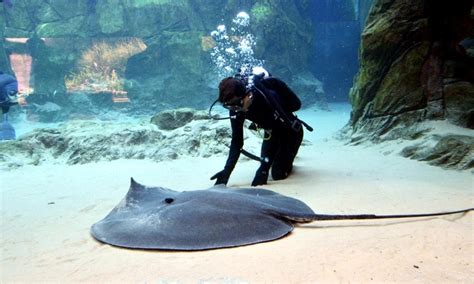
(175, 69)
(85, 141)
(415, 68)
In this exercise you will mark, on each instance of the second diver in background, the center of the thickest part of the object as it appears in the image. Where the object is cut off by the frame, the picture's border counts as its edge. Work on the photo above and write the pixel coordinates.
(8, 98)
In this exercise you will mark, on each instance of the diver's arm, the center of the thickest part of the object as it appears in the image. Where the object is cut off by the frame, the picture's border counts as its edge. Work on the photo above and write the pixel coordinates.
(237, 142)
(237, 125)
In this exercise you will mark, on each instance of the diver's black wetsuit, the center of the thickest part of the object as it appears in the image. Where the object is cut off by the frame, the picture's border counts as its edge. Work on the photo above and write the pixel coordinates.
(8, 87)
(281, 147)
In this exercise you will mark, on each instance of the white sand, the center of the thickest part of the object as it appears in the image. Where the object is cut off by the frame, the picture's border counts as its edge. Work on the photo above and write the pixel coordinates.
(46, 213)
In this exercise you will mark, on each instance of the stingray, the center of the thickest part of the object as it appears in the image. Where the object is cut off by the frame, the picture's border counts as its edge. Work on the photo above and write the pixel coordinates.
(218, 217)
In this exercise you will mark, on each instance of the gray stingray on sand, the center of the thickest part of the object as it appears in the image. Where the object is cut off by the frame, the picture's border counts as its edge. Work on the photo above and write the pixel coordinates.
(218, 217)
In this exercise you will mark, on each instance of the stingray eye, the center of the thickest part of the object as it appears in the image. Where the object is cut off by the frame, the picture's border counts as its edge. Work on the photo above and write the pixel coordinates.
(169, 200)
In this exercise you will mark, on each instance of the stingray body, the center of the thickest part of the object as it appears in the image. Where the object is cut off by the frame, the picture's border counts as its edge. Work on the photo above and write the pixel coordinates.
(160, 218)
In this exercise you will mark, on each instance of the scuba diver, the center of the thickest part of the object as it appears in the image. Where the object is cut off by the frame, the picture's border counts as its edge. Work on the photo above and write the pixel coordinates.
(8, 98)
(269, 103)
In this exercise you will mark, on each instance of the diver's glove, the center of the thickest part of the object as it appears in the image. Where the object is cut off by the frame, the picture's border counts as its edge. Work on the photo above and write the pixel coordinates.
(222, 177)
(260, 178)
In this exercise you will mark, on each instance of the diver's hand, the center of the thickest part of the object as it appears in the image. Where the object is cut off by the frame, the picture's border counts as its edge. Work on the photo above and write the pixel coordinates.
(260, 178)
(221, 177)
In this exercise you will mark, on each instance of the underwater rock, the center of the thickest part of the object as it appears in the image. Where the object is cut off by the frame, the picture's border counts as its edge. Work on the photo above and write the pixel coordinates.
(451, 151)
(437, 143)
(51, 58)
(413, 71)
(380, 47)
(403, 51)
(394, 98)
(388, 128)
(79, 142)
(459, 103)
(309, 90)
(111, 17)
(48, 112)
(172, 119)
(285, 42)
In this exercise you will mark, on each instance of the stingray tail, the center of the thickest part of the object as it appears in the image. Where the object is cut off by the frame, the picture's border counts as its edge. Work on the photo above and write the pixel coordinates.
(328, 217)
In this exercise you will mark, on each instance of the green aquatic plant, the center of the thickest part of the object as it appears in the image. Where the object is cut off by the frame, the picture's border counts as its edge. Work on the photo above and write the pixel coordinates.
(261, 11)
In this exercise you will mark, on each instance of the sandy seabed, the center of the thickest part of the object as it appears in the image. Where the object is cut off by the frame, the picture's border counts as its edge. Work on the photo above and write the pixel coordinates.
(47, 211)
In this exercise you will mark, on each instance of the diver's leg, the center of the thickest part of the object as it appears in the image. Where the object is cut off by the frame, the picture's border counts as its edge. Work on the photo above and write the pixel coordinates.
(268, 151)
(283, 162)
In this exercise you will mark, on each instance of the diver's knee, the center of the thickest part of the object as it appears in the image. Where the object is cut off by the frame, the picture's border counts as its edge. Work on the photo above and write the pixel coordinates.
(279, 174)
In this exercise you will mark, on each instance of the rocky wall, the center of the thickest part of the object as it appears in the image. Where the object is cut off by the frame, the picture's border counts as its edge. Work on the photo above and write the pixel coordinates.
(175, 69)
(415, 66)
(167, 136)
(4, 64)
